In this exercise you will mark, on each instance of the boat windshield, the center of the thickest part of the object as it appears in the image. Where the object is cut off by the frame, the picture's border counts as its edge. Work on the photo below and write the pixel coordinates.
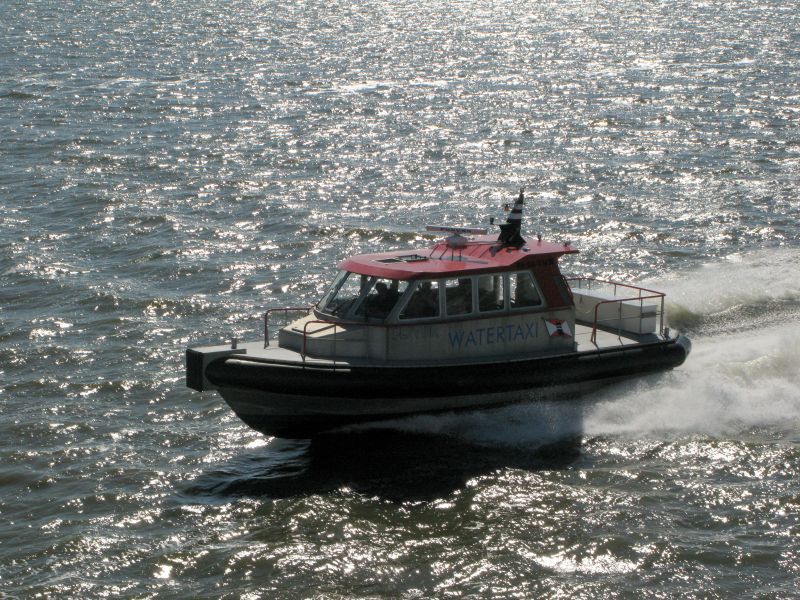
(344, 293)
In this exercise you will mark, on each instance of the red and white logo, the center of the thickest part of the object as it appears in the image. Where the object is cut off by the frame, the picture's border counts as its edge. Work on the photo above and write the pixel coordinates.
(557, 328)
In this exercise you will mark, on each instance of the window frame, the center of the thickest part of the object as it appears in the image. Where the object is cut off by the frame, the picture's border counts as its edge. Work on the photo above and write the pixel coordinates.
(532, 307)
(443, 297)
(409, 293)
(504, 289)
(439, 285)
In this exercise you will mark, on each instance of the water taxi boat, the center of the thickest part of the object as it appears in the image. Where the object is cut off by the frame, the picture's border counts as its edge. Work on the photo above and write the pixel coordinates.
(475, 321)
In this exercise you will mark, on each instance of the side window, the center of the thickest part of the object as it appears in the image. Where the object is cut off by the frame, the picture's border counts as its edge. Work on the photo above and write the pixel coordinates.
(490, 293)
(522, 290)
(423, 303)
(381, 298)
(458, 296)
(344, 293)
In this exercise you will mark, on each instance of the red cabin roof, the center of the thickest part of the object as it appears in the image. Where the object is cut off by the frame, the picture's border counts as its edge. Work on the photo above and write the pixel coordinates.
(474, 258)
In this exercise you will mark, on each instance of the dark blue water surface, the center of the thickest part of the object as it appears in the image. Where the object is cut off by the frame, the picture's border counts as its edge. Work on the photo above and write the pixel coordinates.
(171, 169)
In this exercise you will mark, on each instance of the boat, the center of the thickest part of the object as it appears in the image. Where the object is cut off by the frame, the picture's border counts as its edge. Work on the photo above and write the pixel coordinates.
(473, 322)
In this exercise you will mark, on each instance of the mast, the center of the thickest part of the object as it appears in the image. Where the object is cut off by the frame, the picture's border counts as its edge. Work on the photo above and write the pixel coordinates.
(511, 230)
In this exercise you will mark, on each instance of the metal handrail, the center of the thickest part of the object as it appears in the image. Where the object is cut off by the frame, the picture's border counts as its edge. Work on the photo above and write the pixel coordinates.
(330, 325)
(616, 284)
(285, 312)
(652, 294)
(619, 301)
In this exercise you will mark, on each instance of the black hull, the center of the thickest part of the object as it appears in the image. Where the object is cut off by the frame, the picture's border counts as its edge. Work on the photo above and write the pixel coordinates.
(287, 400)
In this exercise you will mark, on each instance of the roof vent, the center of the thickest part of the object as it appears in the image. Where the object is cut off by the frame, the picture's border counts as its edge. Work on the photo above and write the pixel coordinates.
(456, 230)
(405, 258)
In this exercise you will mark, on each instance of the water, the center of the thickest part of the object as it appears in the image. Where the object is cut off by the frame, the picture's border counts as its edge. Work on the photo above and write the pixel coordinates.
(169, 170)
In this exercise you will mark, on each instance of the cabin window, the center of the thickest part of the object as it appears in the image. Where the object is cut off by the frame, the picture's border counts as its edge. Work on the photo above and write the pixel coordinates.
(490, 293)
(424, 301)
(523, 292)
(381, 299)
(344, 293)
(458, 296)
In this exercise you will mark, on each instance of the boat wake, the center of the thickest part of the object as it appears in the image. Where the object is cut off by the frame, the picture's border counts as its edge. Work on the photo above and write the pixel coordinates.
(732, 384)
(538, 423)
(743, 315)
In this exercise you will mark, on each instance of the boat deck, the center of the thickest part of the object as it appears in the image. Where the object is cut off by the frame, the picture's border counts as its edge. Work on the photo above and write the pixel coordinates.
(277, 355)
(607, 339)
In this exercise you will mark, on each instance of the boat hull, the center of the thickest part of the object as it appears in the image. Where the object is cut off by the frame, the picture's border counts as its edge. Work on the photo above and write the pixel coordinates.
(296, 401)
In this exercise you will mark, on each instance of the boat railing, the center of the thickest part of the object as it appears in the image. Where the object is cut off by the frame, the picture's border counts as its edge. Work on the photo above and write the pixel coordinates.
(641, 294)
(304, 309)
(285, 311)
(328, 325)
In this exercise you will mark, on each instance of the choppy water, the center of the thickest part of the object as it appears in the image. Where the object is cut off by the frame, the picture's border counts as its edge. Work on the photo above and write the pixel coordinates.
(169, 170)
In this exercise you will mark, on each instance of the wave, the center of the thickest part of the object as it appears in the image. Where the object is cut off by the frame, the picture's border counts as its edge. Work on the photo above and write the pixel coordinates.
(18, 95)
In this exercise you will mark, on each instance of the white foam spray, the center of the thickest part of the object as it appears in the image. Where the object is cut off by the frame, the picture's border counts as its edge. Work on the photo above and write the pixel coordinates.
(742, 375)
(763, 279)
(730, 384)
